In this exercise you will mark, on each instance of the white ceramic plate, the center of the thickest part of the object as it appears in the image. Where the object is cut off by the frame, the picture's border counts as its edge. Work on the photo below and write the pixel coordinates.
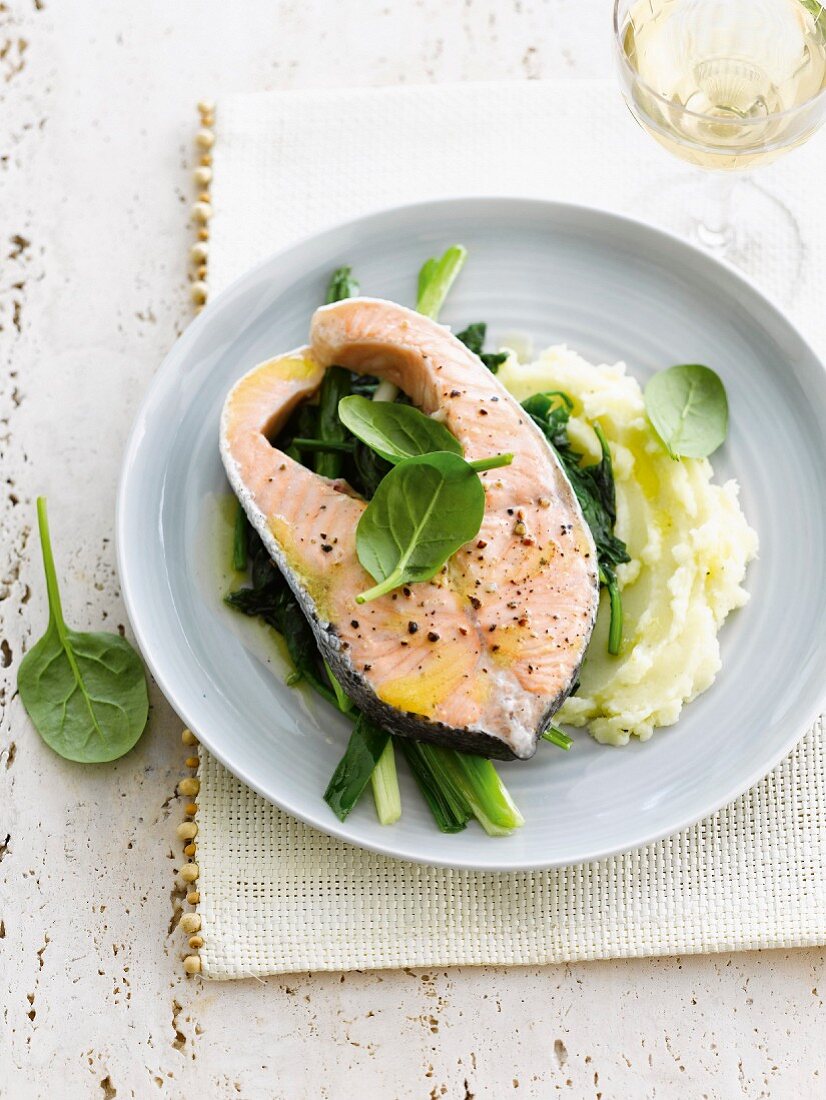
(612, 289)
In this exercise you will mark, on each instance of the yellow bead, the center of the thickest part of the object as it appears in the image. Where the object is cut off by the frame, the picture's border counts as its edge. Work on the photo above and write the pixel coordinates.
(189, 850)
(191, 808)
(206, 106)
(202, 175)
(187, 830)
(189, 786)
(198, 293)
(192, 761)
(190, 922)
(193, 897)
(196, 942)
(199, 253)
(192, 964)
(188, 737)
(201, 211)
(205, 138)
(190, 872)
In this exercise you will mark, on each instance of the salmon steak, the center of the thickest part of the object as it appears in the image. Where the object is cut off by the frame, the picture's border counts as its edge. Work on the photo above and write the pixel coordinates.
(480, 657)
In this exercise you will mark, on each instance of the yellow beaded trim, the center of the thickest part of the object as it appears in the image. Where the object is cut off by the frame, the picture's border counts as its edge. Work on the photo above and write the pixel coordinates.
(202, 207)
(189, 786)
(190, 923)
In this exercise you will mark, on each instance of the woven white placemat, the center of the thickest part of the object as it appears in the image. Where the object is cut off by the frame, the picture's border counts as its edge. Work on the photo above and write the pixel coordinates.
(277, 896)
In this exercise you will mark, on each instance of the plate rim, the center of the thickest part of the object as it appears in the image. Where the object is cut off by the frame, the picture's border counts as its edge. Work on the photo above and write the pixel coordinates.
(218, 304)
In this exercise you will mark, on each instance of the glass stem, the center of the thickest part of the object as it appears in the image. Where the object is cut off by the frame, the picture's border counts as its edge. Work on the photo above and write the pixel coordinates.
(714, 224)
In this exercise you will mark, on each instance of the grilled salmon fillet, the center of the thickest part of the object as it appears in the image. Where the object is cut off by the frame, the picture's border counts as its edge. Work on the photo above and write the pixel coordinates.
(481, 657)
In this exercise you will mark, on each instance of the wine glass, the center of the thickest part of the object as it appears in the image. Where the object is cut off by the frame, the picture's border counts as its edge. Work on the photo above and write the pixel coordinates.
(727, 85)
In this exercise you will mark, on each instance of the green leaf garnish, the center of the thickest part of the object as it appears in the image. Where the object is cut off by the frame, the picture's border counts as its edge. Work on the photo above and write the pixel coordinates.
(85, 693)
(688, 409)
(395, 431)
(423, 512)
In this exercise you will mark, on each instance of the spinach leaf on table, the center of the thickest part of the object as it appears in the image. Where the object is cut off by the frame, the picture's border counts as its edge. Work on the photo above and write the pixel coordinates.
(85, 693)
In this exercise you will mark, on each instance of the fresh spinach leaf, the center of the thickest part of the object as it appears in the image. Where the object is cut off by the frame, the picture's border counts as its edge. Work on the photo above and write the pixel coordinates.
(342, 285)
(436, 278)
(422, 512)
(473, 337)
(85, 693)
(398, 432)
(688, 409)
(395, 431)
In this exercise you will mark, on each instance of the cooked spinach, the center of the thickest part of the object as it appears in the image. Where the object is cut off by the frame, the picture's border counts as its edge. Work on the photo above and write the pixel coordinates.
(385, 784)
(240, 539)
(364, 749)
(344, 703)
(322, 446)
(557, 737)
(450, 813)
(688, 408)
(436, 277)
(369, 470)
(334, 387)
(473, 337)
(85, 693)
(477, 783)
(271, 599)
(342, 285)
(423, 511)
(595, 491)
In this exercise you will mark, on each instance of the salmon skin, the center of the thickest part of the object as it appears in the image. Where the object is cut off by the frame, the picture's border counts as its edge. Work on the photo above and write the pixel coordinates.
(480, 657)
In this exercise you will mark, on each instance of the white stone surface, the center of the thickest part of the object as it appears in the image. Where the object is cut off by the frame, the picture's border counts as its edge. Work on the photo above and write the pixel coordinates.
(96, 117)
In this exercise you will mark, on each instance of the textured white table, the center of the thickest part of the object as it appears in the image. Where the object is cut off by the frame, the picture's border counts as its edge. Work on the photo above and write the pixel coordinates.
(96, 116)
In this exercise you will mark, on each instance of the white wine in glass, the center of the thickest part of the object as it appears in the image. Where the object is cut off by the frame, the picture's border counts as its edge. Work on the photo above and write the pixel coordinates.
(726, 85)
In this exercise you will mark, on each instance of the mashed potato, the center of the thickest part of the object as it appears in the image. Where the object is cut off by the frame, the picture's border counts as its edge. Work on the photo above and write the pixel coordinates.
(689, 543)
